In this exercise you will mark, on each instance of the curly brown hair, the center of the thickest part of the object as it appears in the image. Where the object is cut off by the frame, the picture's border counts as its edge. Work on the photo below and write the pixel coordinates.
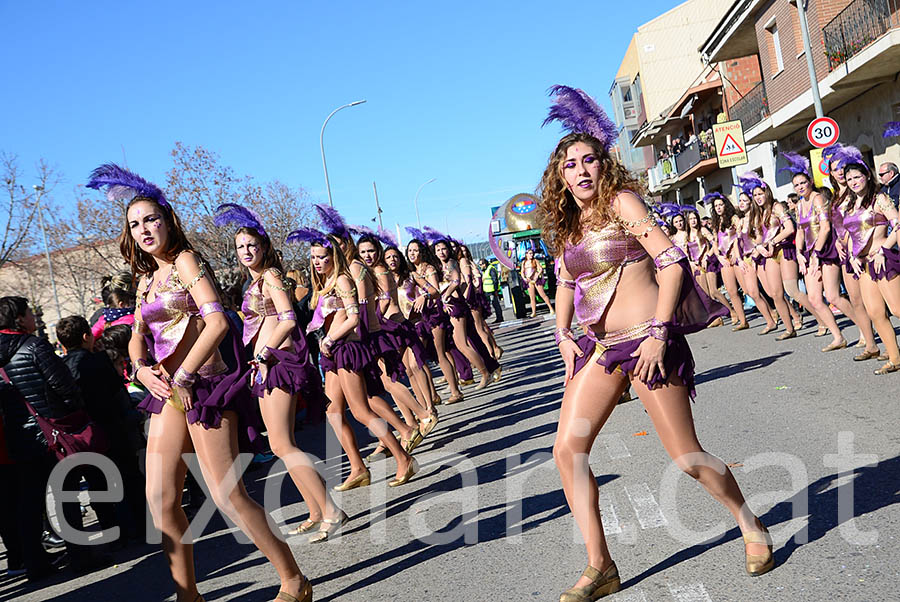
(142, 263)
(559, 215)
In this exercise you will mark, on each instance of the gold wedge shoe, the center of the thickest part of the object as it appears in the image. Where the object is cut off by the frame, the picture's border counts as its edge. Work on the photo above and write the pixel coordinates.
(413, 442)
(887, 369)
(304, 527)
(306, 594)
(758, 564)
(866, 355)
(835, 346)
(330, 527)
(496, 374)
(602, 584)
(363, 480)
(741, 326)
(789, 335)
(413, 469)
(426, 425)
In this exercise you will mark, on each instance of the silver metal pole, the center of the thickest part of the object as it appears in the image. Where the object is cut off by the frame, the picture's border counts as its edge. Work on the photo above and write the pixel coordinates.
(377, 207)
(813, 81)
(416, 202)
(39, 190)
(322, 145)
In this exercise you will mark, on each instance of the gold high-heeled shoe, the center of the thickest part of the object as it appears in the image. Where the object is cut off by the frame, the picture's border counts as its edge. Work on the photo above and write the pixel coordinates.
(716, 322)
(602, 584)
(410, 471)
(496, 374)
(330, 527)
(758, 564)
(413, 442)
(362, 480)
(426, 425)
(306, 594)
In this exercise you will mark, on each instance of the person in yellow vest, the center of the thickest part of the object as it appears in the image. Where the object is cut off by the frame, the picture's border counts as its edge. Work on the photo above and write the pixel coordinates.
(490, 283)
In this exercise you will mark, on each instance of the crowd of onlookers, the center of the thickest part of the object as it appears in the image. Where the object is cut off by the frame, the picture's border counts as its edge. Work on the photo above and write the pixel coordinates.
(679, 144)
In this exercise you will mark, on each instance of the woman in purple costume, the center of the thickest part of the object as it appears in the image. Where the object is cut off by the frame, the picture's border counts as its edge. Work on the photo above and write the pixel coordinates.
(346, 357)
(196, 400)
(748, 271)
(391, 342)
(725, 229)
(874, 256)
(532, 273)
(433, 321)
(282, 370)
(837, 156)
(632, 290)
(477, 300)
(465, 337)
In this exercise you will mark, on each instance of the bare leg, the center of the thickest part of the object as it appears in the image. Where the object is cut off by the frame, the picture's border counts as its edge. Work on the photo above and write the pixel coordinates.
(747, 278)
(790, 274)
(417, 378)
(459, 339)
(278, 409)
(776, 291)
(531, 296)
(217, 450)
(167, 440)
(875, 306)
(736, 299)
(338, 421)
(588, 401)
(716, 294)
(446, 367)
(354, 387)
(384, 411)
(814, 289)
(484, 331)
(831, 281)
(864, 322)
(543, 294)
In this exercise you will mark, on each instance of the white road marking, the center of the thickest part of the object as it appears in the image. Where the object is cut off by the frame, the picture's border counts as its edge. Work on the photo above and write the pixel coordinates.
(694, 592)
(615, 446)
(645, 506)
(608, 514)
(637, 596)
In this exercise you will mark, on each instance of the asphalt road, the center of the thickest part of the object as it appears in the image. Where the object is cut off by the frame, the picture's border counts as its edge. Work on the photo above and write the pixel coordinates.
(812, 437)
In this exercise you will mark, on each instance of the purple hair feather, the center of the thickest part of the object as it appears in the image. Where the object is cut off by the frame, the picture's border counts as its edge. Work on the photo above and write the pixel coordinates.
(669, 209)
(308, 235)
(891, 128)
(124, 185)
(578, 112)
(712, 196)
(239, 216)
(829, 151)
(847, 155)
(417, 234)
(387, 238)
(361, 231)
(750, 181)
(797, 164)
(332, 222)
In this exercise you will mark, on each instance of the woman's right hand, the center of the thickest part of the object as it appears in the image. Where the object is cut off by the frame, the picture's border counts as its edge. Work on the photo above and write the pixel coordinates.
(569, 350)
(152, 379)
(801, 262)
(842, 253)
(419, 303)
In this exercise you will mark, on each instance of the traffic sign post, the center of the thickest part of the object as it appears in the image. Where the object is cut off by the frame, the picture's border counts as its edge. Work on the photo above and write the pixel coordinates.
(822, 132)
(730, 148)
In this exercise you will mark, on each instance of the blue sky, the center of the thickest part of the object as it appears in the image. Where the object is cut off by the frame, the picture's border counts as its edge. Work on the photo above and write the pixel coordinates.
(456, 91)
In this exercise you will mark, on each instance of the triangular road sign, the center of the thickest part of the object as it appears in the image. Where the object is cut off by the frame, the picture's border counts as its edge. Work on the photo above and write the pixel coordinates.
(730, 147)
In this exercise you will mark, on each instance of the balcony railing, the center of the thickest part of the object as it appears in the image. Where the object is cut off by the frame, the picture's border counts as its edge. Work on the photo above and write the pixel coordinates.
(854, 28)
(672, 167)
(752, 108)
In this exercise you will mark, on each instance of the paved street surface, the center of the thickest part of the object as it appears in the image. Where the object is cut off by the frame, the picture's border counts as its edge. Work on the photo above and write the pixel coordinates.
(776, 411)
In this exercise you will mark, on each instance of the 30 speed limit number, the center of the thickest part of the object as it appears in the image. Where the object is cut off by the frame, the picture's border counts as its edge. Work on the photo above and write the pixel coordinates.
(823, 132)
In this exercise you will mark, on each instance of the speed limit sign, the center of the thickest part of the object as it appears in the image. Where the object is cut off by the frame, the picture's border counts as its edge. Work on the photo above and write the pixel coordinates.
(823, 132)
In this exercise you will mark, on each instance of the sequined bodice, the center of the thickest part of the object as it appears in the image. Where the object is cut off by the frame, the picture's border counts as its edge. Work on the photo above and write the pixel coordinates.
(406, 295)
(325, 306)
(744, 240)
(726, 239)
(596, 264)
(167, 316)
(809, 223)
(255, 309)
(860, 225)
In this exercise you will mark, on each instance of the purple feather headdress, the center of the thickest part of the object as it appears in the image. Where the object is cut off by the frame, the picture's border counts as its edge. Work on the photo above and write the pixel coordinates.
(332, 222)
(669, 210)
(891, 128)
(123, 185)
(749, 182)
(239, 216)
(359, 231)
(308, 235)
(797, 164)
(387, 238)
(712, 196)
(688, 208)
(417, 234)
(847, 155)
(433, 236)
(578, 112)
(829, 151)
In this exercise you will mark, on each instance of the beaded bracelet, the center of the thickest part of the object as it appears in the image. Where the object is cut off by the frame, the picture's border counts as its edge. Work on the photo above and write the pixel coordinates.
(563, 333)
(183, 378)
(659, 330)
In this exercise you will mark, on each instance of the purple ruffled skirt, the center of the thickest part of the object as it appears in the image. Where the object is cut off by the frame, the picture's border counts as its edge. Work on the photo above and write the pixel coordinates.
(403, 336)
(891, 266)
(713, 264)
(294, 373)
(355, 356)
(463, 367)
(678, 360)
(828, 255)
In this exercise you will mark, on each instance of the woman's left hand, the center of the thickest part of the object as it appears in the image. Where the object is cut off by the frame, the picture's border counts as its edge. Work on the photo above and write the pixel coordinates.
(878, 259)
(650, 356)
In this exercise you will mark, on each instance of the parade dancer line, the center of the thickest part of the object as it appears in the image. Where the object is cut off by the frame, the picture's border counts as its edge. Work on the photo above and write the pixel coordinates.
(604, 239)
(725, 229)
(195, 398)
(748, 270)
(282, 370)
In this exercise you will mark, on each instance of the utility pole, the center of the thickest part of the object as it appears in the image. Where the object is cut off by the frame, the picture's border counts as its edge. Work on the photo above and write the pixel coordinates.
(807, 48)
(38, 191)
(377, 207)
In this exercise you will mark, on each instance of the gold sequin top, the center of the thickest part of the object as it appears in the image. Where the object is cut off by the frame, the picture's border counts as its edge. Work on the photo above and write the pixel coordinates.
(165, 319)
(596, 264)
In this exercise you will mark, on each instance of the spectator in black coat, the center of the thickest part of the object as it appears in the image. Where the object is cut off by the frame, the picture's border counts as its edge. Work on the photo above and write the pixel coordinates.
(107, 403)
(889, 176)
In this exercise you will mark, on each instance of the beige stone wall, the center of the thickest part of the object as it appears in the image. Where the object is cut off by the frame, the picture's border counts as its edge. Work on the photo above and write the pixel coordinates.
(630, 63)
(667, 51)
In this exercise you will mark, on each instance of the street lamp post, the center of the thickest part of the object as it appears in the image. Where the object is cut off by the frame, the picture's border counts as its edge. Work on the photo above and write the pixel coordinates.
(322, 144)
(416, 201)
(39, 190)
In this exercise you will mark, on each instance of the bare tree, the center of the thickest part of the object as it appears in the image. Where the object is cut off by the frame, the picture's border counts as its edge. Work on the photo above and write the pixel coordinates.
(18, 211)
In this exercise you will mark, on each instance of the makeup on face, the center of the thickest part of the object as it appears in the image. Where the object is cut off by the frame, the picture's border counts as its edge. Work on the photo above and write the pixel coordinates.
(719, 206)
(147, 226)
(581, 171)
(856, 181)
(248, 250)
(392, 259)
(367, 252)
(321, 259)
(759, 196)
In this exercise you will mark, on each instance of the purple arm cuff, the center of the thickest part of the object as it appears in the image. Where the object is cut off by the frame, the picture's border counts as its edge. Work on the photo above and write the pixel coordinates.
(287, 315)
(211, 308)
(670, 256)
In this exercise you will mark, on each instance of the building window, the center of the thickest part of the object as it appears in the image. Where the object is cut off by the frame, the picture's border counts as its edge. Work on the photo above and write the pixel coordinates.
(775, 42)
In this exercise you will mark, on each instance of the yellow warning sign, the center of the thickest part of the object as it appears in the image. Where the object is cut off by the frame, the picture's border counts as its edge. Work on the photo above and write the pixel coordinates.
(730, 147)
